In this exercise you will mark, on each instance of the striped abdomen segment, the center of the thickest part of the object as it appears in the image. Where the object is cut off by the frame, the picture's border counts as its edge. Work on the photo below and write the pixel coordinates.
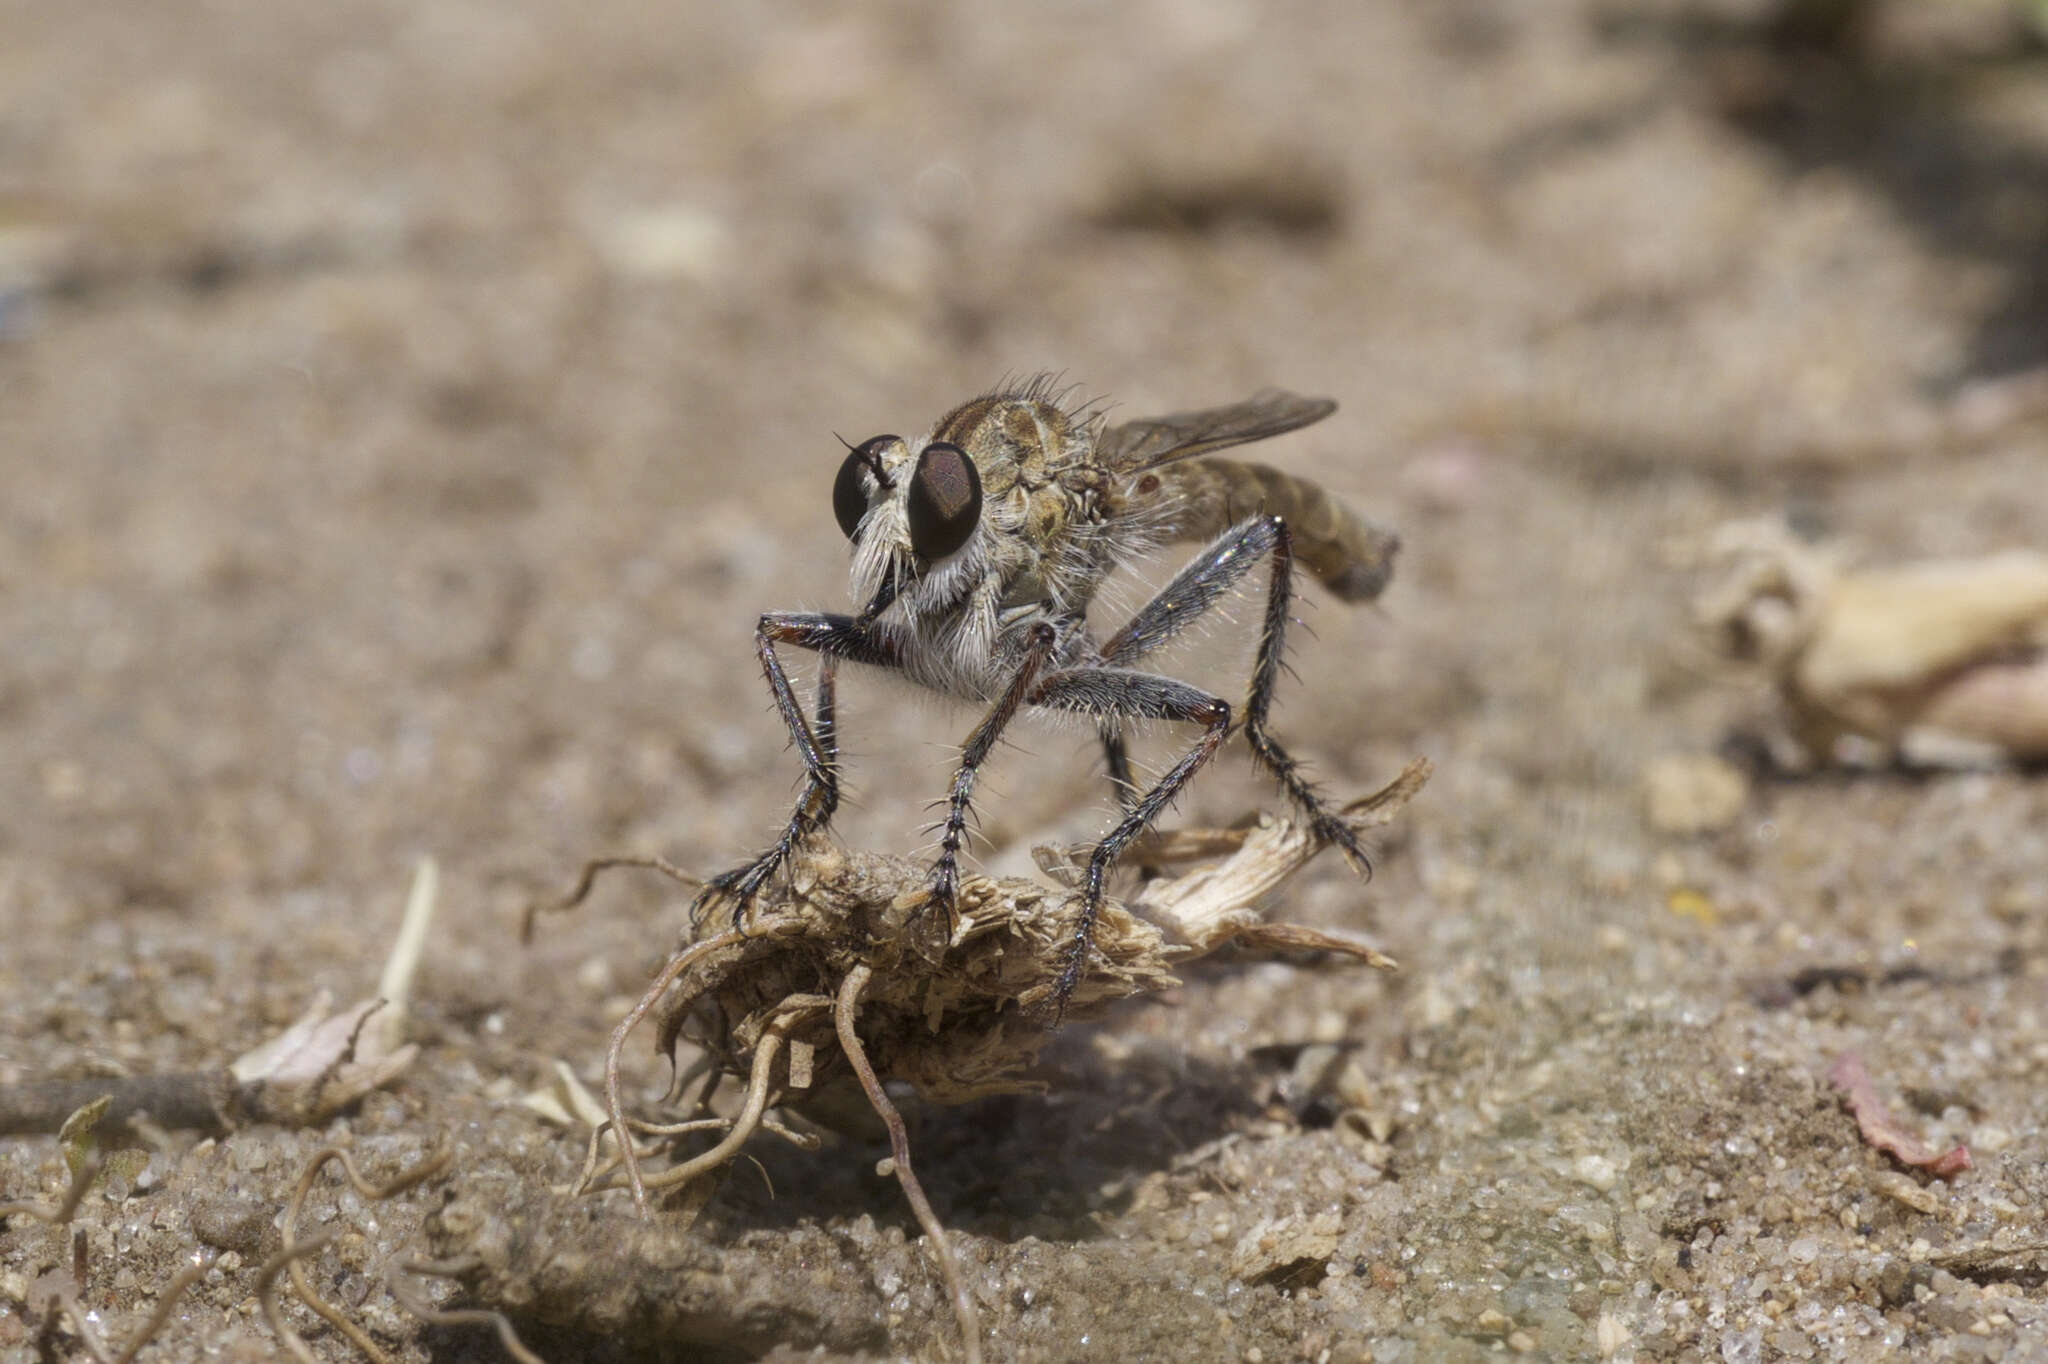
(1200, 498)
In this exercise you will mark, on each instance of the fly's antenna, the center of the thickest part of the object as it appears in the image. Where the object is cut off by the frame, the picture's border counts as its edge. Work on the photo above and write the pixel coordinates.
(867, 457)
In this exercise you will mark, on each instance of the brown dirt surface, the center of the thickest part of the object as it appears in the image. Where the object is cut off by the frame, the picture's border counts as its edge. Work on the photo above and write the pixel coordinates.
(406, 410)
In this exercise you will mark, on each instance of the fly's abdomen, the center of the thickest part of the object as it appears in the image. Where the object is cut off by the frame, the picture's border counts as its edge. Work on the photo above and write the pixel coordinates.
(1201, 498)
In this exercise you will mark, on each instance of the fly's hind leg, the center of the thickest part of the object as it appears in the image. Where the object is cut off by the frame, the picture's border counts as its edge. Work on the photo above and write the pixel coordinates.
(817, 743)
(1113, 694)
(1328, 827)
(1193, 591)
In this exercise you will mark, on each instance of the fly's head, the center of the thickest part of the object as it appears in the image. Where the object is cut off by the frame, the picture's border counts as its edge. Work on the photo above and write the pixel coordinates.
(1003, 489)
(914, 515)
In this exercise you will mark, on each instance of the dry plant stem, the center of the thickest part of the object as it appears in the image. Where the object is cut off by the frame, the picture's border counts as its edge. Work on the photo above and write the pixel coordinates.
(743, 1126)
(675, 1129)
(375, 1193)
(586, 878)
(437, 1316)
(1981, 1257)
(844, 1015)
(164, 1307)
(591, 1170)
(58, 1213)
(266, 1295)
(677, 964)
(201, 1100)
(802, 1141)
(595, 1169)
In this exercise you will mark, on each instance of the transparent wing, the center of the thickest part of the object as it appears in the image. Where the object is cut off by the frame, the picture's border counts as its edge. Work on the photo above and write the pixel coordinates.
(1152, 441)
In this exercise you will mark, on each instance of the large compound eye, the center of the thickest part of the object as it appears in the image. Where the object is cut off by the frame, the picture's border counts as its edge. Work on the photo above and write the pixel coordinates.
(850, 490)
(945, 501)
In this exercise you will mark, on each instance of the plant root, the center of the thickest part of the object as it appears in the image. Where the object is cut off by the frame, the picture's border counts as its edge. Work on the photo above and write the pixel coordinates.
(587, 878)
(677, 964)
(292, 1258)
(844, 1017)
(266, 1295)
(166, 1304)
(410, 1300)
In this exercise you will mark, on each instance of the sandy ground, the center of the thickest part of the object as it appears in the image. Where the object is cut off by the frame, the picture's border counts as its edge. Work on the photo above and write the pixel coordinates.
(407, 408)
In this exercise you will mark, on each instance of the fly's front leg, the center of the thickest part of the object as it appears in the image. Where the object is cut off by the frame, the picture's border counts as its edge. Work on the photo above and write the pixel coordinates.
(834, 637)
(945, 882)
(1115, 694)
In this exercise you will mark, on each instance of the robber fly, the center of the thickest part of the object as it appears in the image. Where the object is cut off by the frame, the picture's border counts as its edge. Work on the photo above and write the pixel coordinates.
(976, 551)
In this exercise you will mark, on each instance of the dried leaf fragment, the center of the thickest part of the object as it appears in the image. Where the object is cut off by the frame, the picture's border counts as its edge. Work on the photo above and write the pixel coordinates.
(1884, 1131)
(1942, 661)
(564, 1101)
(318, 1066)
(324, 1062)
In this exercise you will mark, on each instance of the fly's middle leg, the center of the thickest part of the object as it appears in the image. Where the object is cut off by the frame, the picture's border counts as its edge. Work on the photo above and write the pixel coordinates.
(945, 882)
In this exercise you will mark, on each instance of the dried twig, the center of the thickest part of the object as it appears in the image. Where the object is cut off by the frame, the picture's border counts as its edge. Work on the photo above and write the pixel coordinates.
(266, 1294)
(202, 1100)
(843, 1018)
(1980, 1259)
(587, 878)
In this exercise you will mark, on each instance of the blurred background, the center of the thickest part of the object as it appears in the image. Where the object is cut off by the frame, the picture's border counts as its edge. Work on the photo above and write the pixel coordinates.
(410, 407)
(407, 408)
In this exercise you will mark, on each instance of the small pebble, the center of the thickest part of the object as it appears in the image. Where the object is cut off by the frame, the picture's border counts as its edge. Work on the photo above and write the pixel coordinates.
(233, 1222)
(1694, 793)
(1597, 1171)
(1990, 1137)
(1902, 1188)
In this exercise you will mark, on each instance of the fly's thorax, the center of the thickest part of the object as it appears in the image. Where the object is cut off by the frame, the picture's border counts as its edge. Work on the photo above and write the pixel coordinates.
(1019, 439)
(1042, 490)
